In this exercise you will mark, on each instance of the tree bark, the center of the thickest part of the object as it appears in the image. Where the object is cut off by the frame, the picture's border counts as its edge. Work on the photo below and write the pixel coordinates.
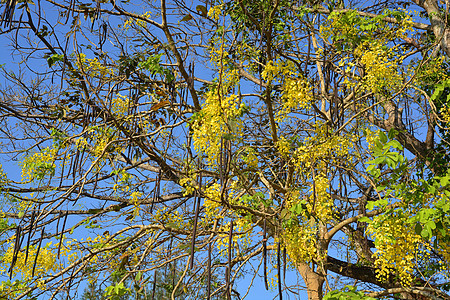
(313, 280)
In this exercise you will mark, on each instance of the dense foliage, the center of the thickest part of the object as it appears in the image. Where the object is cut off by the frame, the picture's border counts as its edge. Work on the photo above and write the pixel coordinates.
(166, 150)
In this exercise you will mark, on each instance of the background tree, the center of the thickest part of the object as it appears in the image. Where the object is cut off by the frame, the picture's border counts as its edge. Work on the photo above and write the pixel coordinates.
(208, 141)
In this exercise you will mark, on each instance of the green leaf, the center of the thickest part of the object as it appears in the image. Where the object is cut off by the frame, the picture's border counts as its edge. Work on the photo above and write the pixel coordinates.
(383, 137)
(392, 133)
(396, 144)
(378, 160)
(378, 144)
(138, 276)
(285, 213)
(51, 60)
(365, 219)
(187, 17)
(202, 10)
(425, 233)
(445, 180)
(431, 224)
(370, 168)
(380, 188)
(447, 193)
(418, 228)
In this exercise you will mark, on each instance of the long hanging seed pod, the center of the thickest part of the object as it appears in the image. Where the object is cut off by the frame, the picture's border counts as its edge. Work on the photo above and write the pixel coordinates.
(154, 286)
(169, 249)
(62, 232)
(62, 170)
(16, 250)
(156, 191)
(197, 208)
(228, 157)
(30, 230)
(280, 291)
(95, 184)
(37, 251)
(264, 242)
(208, 288)
(174, 272)
(284, 265)
(74, 167)
(72, 157)
(80, 161)
(228, 272)
(61, 214)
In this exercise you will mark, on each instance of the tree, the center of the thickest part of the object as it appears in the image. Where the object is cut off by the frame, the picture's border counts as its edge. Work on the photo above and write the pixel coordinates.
(219, 139)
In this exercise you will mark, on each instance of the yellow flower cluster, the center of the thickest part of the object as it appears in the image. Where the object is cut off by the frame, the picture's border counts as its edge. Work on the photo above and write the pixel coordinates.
(432, 71)
(300, 242)
(128, 23)
(46, 262)
(320, 147)
(381, 70)
(123, 181)
(103, 139)
(336, 24)
(3, 176)
(215, 12)
(297, 94)
(222, 109)
(219, 115)
(189, 184)
(371, 137)
(283, 146)
(397, 245)
(212, 201)
(81, 143)
(406, 25)
(39, 165)
(120, 105)
(274, 70)
(173, 218)
(445, 114)
(299, 238)
(320, 205)
(251, 159)
(355, 26)
(241, 236)
(296, 91)
(92, 67)
(135, 199)
(292, 198)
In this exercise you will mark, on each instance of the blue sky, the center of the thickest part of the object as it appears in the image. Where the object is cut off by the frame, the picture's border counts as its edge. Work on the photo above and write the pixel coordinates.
(257, 291)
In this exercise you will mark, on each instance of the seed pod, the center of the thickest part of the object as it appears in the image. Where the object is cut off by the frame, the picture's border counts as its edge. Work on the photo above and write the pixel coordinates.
(280, 291)
(37, 252)
(62, 232)
(29, 234)
(264, 242)
(16, 250)
(228, 273)
(208, 289)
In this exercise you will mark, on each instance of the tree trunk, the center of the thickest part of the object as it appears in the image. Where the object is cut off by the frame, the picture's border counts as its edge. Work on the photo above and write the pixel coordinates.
(313, 280)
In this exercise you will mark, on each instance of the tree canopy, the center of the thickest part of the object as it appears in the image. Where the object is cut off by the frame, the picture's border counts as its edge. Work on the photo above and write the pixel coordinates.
(155, 150)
